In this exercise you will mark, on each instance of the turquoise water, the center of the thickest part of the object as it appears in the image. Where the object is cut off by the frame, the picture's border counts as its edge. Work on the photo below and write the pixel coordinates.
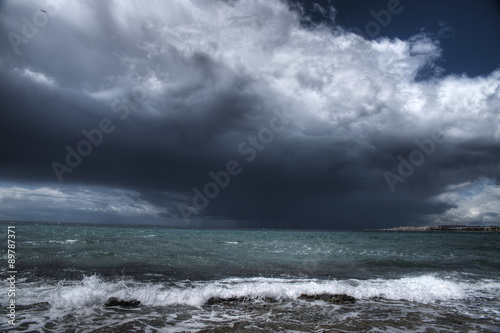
(211, 254)
(422, 276)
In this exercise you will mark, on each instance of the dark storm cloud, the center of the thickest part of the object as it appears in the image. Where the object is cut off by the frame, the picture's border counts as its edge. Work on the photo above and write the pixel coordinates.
(313, 117)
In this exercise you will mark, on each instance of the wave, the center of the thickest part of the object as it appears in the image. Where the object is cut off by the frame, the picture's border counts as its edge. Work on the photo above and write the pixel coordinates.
(93, 291)
(67, 241)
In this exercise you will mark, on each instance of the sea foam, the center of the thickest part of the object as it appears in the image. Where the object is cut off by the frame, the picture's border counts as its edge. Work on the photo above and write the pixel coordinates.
(93, 291)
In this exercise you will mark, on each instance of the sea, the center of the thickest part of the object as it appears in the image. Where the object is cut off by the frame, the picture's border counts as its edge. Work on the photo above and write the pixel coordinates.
(244, 280)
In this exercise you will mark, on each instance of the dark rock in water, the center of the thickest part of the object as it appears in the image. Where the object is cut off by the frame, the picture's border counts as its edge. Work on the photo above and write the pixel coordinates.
(113, 301)
(219, 300)
(36, 306)
(332, 298)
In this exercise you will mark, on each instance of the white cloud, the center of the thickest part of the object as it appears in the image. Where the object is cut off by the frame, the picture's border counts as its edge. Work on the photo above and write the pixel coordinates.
(335, 78)
(474, 202)
(75, 199)
(36, 77)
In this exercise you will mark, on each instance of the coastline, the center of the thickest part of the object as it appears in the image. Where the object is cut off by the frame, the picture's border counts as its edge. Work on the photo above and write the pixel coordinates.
(454, 228)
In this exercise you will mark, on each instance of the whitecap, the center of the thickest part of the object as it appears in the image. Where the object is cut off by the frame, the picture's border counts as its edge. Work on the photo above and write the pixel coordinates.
(93, 291)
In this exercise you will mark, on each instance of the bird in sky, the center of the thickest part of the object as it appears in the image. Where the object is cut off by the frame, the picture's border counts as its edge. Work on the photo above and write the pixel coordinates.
(43, 11)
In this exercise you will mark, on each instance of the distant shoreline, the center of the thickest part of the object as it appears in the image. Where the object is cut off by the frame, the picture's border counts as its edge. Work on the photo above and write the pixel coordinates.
(455, 228)
(458, 228)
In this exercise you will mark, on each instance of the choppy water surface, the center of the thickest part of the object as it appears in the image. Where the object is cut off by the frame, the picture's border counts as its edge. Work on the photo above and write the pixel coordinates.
(205, 280)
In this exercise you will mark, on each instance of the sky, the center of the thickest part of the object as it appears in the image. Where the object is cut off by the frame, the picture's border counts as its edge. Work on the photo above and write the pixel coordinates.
(332, 114)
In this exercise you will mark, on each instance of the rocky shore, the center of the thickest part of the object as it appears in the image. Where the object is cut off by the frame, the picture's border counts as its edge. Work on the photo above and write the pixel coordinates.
(446, 228)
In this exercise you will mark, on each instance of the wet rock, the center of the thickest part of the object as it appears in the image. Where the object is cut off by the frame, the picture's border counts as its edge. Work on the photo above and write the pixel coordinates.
(219, 300)
(50, 326)
(332, 298)
(114, 301)
(36, 306)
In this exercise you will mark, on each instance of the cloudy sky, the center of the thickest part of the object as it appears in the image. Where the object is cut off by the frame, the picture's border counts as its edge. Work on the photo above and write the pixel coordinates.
(333, 114)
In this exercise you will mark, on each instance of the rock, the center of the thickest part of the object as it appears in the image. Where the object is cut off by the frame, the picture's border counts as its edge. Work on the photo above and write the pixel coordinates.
(113, 301)
(40, 305)
(219, 300)
(332, 298)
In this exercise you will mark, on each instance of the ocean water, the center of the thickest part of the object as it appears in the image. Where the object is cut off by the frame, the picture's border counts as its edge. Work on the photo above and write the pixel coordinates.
(212, 280)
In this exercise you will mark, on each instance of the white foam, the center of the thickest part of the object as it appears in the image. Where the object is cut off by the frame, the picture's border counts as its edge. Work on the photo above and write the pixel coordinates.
(67, 241)
(93, 292)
